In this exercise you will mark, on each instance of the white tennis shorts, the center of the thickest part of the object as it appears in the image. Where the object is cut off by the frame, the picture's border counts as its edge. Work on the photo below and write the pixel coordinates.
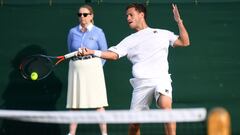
(144, 90)
(86, 84)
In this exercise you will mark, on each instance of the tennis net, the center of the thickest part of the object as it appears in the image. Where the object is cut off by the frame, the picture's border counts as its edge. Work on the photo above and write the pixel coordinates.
(189, 121)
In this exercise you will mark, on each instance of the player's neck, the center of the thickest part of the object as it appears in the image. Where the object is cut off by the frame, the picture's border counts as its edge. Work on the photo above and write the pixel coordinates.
(141, 27)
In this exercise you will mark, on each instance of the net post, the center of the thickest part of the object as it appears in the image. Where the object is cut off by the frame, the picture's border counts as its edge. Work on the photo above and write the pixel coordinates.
(219, 122)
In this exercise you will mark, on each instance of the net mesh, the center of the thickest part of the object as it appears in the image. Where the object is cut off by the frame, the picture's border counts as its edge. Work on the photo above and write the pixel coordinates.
(188, 121)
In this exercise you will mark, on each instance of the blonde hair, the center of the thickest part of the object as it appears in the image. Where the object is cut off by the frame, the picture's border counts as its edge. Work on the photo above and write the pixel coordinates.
(90, 10)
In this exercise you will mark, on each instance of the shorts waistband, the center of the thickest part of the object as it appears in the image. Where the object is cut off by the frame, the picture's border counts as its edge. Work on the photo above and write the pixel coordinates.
(82, 57)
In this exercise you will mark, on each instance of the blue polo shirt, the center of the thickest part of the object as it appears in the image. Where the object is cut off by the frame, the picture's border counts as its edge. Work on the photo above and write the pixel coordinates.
(93, 38)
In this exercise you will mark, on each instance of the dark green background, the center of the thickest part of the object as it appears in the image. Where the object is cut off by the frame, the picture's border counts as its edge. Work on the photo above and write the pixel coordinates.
(206, 74)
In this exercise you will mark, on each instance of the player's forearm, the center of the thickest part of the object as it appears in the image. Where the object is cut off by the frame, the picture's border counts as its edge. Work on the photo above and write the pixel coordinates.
(109, 55)
(183, 34)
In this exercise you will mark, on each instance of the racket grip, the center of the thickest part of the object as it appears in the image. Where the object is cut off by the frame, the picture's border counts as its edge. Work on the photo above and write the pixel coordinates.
(70, 55)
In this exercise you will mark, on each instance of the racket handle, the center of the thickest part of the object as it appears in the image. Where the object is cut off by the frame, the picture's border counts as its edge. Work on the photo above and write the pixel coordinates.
(70, 55)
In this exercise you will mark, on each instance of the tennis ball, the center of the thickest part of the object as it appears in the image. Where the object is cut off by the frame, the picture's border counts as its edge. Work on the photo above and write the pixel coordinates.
(34, 75)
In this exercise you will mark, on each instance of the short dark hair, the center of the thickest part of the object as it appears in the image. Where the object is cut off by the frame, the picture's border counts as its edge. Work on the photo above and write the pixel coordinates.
(138, 7)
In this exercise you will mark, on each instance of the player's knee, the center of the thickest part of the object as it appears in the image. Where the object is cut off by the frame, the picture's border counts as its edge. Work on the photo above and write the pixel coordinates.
(165, 102)
(165, 106)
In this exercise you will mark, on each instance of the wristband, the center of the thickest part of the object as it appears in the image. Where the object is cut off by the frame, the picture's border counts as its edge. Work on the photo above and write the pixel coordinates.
(97, 53)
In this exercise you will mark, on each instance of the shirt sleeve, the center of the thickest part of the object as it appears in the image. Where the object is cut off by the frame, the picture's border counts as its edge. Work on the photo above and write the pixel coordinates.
(122, 48)
(172, 38)
(69, 41)
(102, 44)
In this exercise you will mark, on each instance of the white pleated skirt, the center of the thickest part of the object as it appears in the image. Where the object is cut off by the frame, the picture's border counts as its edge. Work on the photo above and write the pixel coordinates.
(86, 84)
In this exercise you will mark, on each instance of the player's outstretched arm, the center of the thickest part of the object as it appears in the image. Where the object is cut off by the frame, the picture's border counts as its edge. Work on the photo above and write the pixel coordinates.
(109, 55)
(183, 39)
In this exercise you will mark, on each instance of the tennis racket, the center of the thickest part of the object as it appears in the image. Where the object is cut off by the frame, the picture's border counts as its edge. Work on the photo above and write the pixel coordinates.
(41, 65)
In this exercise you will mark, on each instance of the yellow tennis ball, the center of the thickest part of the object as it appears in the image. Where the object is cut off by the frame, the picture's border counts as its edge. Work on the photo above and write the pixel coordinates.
(34, 75)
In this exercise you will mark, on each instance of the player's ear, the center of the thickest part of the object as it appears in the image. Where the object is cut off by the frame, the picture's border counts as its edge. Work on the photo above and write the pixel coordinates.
(142, 14)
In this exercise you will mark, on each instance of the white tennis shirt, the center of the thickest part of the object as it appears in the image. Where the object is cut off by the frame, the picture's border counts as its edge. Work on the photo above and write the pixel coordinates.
(147, 49)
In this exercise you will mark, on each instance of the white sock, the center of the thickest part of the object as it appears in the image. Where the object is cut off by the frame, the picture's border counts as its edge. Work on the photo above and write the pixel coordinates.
(104, 133)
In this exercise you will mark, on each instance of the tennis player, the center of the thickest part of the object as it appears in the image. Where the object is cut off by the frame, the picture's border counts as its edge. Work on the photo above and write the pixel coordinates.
(86, 83)
(147, 49)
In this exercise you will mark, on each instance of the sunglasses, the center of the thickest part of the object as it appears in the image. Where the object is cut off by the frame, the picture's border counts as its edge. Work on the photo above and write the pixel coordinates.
(84, 14)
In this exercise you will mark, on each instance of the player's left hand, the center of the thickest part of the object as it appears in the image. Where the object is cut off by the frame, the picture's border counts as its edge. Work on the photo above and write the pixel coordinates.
(85, 51)
(176, 13)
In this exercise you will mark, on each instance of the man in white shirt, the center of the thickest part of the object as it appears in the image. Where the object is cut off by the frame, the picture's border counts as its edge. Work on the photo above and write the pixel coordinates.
(147, 49)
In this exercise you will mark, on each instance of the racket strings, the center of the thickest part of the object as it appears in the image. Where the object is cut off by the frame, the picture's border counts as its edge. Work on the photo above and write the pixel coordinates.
(41, 65)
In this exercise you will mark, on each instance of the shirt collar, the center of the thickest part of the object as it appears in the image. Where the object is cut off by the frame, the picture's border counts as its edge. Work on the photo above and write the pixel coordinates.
(89, 27)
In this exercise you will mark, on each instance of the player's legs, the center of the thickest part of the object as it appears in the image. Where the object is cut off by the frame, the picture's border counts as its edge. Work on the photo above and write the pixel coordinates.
(103, 126)
(141, 99)
(165, 102)
(134, 129)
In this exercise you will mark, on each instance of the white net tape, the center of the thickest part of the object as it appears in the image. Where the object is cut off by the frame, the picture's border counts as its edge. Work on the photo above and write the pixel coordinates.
(109, 116)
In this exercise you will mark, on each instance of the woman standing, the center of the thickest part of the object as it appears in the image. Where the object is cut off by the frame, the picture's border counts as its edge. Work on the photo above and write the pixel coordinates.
(86, 83)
